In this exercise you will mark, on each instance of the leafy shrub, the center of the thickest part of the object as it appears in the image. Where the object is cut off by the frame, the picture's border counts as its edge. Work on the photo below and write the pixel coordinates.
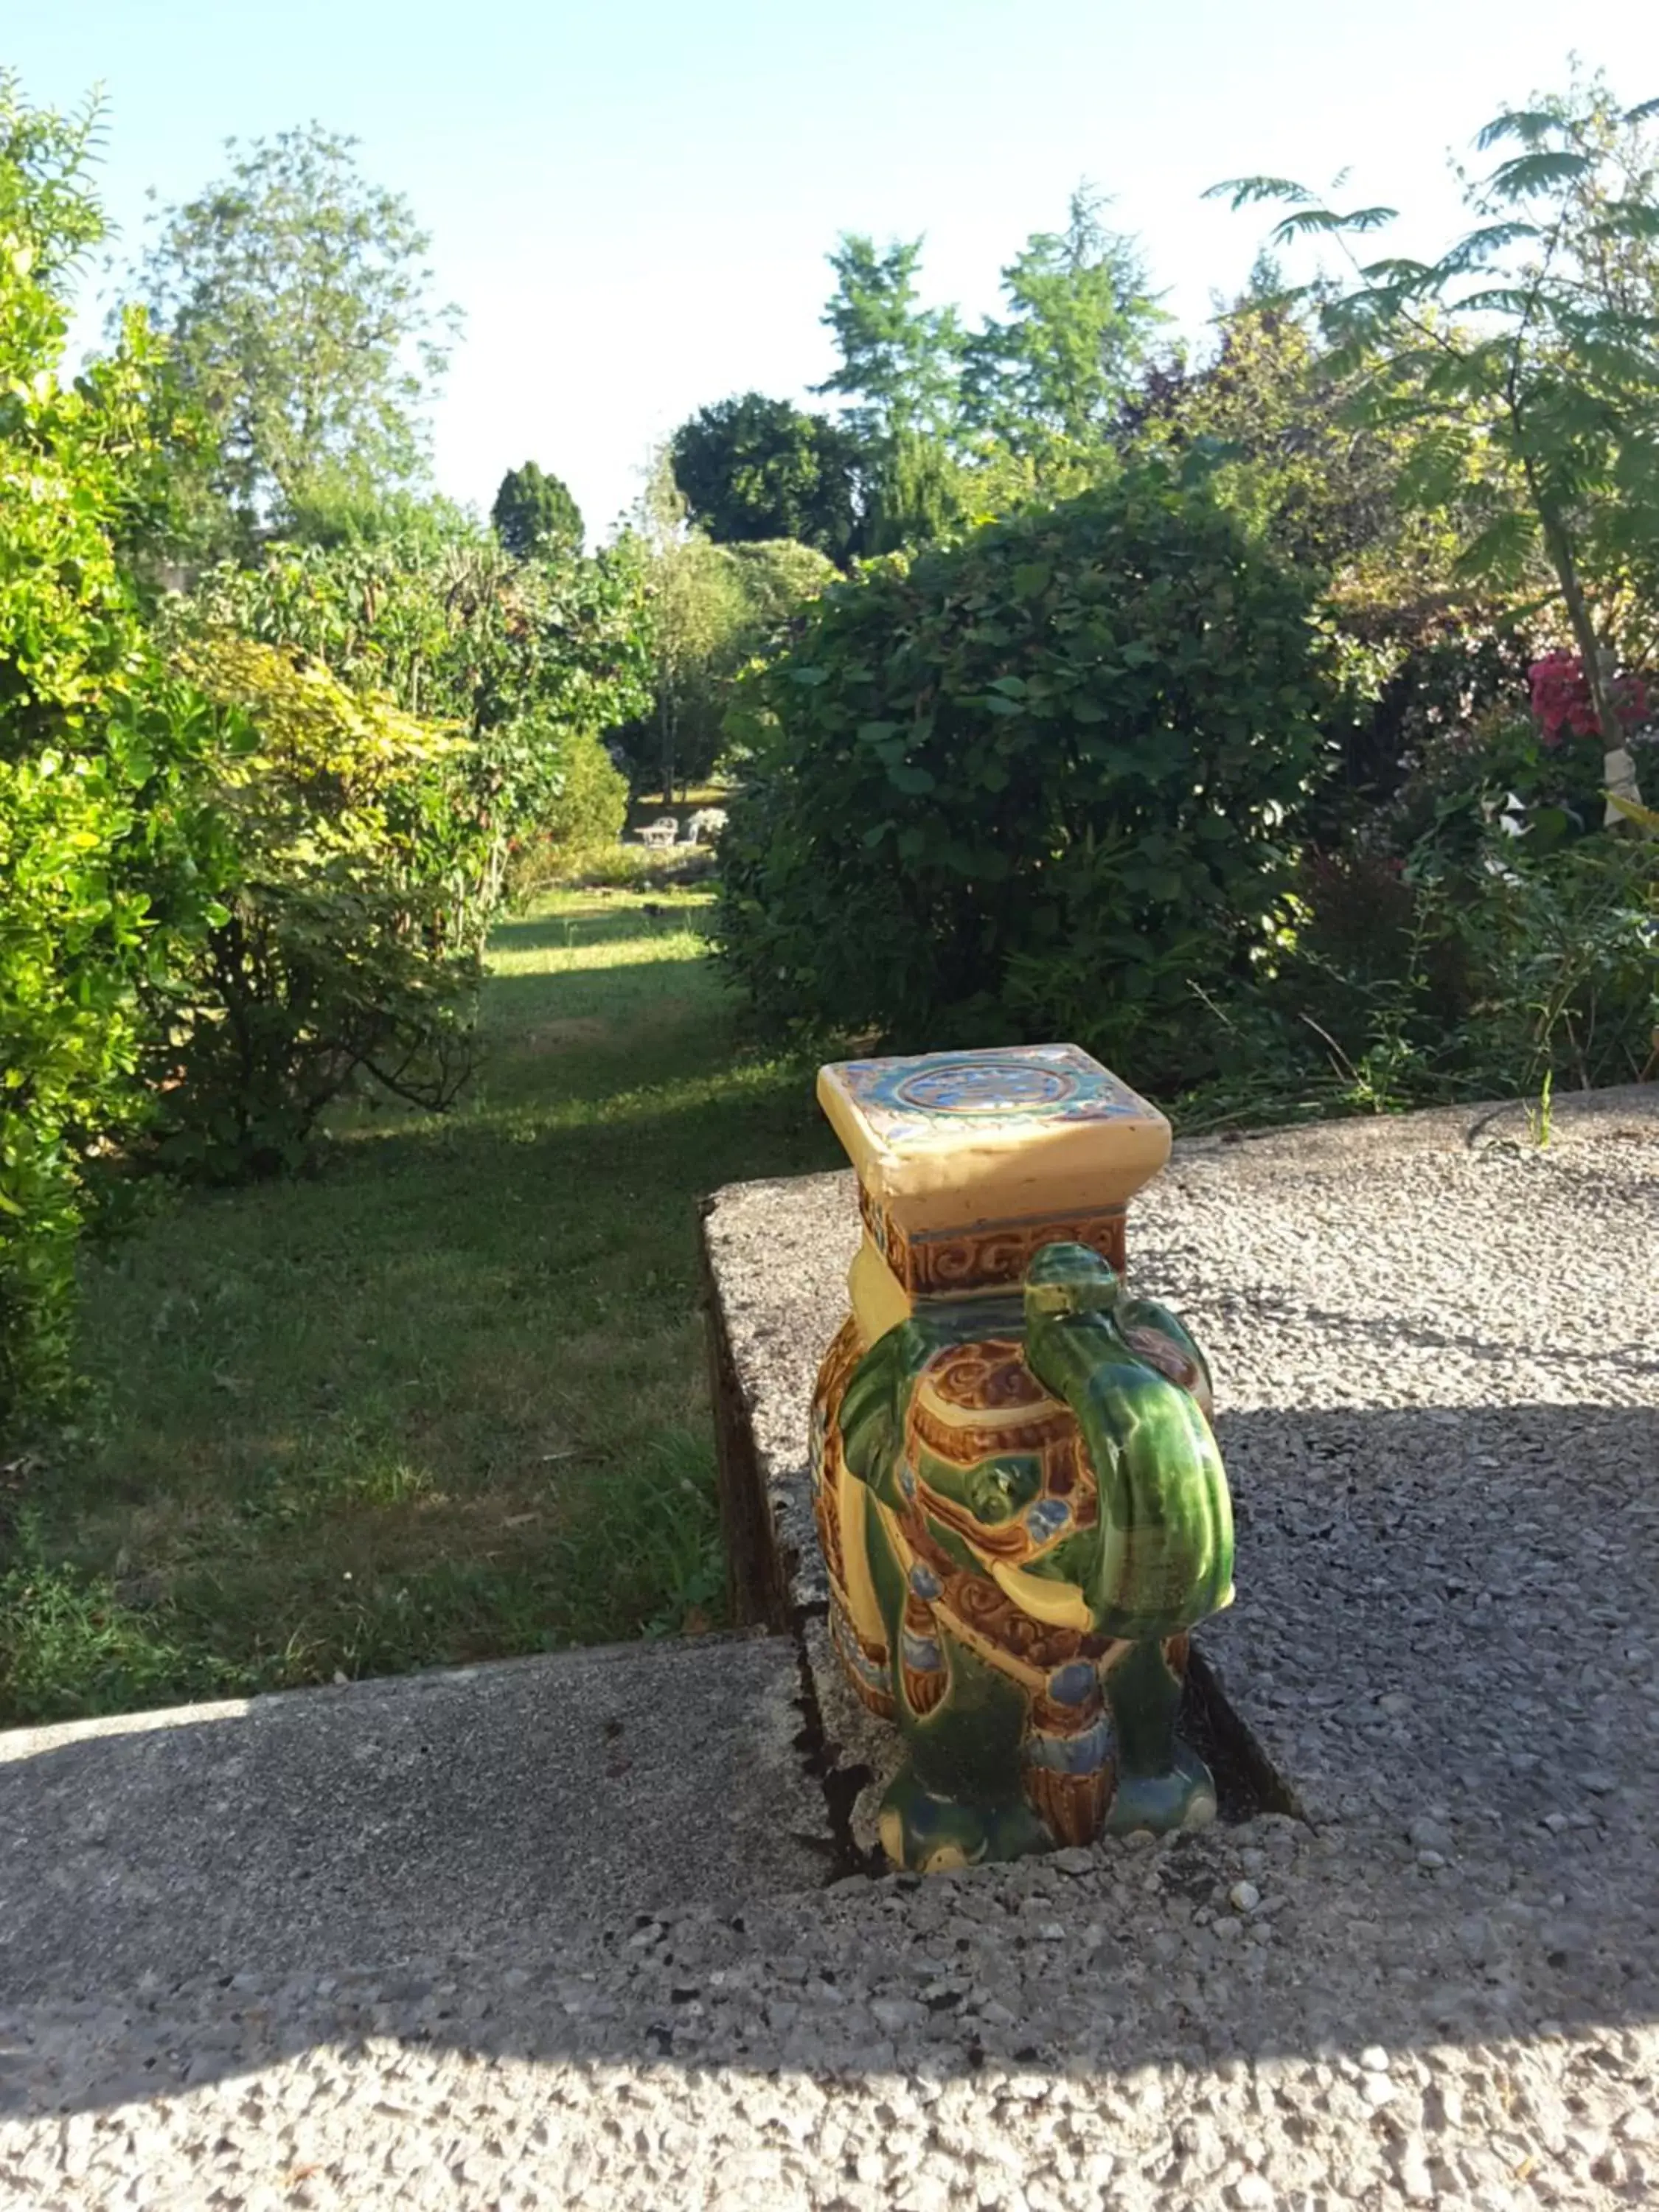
(712, 607)
(587, 816)
(410, 703)
(1450, 976)
(1416, 680)
(592, 802)
(1375, 949)
(343, 942)
(1040, 784)
(1464, 775)
(70, 943)
(1564, 953)
(518, 655)
(97, 877)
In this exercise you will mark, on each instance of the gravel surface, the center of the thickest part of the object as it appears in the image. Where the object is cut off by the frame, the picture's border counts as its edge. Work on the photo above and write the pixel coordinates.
(1233, 2020)
(1435, 1351)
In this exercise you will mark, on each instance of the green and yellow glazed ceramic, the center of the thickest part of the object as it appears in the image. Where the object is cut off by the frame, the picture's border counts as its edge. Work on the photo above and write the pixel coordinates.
(1018, 1491)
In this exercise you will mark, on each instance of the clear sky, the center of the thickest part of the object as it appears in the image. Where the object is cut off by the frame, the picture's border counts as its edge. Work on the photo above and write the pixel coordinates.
(632, 199)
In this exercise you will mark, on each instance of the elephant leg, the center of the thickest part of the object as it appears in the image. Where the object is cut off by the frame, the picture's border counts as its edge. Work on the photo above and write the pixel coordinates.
(957, 1798)
(1161, 1784)
(864, 1662)
(927, 1833)
(1067, 1753)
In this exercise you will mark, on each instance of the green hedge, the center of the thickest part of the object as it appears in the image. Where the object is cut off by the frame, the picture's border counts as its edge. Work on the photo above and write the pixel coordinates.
(1040, 785)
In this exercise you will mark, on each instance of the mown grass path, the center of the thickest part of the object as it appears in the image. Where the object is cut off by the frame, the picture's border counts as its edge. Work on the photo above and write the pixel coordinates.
(444, 1401)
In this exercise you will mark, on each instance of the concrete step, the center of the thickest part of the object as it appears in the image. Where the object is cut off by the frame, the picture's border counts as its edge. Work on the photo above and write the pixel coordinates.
(424, 1812)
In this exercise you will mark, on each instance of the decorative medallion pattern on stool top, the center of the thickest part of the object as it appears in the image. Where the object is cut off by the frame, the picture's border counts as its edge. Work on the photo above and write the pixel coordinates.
(904, 1100)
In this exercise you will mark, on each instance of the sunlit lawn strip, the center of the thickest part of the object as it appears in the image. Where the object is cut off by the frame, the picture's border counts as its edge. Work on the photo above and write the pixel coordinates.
(443, 1401)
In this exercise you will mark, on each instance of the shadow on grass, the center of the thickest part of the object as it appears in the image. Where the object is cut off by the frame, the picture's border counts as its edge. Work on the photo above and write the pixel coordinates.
(670, 983)
(593, 922)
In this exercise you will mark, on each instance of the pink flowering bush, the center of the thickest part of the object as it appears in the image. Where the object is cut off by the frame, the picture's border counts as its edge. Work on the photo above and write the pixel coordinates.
(1562, 703)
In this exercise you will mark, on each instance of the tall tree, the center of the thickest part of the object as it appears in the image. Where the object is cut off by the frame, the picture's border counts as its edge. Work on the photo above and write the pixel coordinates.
(919, 492)
(757, 468)
(1527, 357)
(1290, 460)
(711, 607)
(535, 513)
(1050, 381)
(299, 308)
(696, 606)
(898, 360)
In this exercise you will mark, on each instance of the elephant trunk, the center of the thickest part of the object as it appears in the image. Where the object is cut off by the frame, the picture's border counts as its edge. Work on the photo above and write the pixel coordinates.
(1163, 1554)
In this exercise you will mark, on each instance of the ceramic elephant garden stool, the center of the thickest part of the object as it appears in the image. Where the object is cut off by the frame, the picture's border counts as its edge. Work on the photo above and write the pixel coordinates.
(1021, 1503)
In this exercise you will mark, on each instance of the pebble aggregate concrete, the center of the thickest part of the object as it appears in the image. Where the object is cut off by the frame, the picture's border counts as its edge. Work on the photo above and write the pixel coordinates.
(1435, 1345)
(321, 1825)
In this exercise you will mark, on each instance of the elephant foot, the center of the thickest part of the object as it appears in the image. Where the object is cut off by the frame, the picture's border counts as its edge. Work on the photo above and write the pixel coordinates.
(1181, 1796)
(1162, 1785)
(925, 1833)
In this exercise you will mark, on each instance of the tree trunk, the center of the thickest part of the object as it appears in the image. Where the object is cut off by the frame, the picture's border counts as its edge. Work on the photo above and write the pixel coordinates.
(666, 724)
(1618, 768)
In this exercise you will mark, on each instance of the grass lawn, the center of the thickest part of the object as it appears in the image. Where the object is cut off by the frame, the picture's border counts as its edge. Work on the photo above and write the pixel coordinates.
(648, 805)
(444, 1401)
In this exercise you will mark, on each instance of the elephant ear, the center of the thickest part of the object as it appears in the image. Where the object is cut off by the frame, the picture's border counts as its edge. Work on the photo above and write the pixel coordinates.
(1154, 1334)
(872, 1415)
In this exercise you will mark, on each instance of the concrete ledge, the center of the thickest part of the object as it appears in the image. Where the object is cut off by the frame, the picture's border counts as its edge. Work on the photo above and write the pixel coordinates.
(776, 1253)
(324, 1827)
(1434, 1345)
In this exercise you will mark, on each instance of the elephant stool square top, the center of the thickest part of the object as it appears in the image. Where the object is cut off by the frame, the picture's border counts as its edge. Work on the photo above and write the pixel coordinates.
(968, 1161)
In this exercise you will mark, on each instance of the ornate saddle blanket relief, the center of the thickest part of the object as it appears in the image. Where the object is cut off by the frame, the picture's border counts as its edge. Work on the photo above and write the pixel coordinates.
(1016, 1484)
